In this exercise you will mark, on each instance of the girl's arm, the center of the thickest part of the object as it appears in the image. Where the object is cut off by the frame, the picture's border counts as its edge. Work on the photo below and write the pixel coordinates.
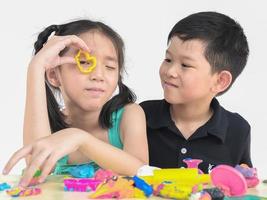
(36, 122)
(48, 150)
(133, 132)
(135, 148)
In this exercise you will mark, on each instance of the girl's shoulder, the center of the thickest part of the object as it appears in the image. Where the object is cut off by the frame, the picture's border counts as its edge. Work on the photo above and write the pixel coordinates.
(133, 110)
(125, 120)
(133, 114)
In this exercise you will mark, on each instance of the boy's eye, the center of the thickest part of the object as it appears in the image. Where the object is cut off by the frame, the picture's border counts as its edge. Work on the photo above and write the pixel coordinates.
(185, 65)
(167, 60)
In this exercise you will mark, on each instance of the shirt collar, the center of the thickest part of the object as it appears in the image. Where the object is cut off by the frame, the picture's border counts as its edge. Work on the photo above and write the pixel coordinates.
(216, 126)
(218, 123)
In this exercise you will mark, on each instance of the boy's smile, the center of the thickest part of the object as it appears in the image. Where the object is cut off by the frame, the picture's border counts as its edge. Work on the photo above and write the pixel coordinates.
(169, 84)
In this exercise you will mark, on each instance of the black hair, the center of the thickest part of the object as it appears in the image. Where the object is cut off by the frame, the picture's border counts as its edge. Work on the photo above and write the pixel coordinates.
(125, 95)
(226, 44)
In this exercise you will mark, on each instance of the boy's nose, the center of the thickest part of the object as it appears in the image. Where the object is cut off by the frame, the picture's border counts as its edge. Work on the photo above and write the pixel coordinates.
(172, 71)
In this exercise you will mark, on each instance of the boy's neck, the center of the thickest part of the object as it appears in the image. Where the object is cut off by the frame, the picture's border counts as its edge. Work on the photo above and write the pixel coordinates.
(188, 118)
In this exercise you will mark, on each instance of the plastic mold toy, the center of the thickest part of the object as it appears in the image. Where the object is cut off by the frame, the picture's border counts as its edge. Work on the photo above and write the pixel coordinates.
(81, 185)
(87, 65)
(229, 180)
(142, 185)
(193, 163)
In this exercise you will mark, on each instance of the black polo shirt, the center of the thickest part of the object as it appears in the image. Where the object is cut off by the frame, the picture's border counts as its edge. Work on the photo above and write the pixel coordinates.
(224, 139)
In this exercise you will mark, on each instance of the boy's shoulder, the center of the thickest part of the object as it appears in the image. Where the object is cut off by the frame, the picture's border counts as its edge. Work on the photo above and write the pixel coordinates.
(222, 119)
(156, 112)
(228, 121)
(234, 128)
(153, 106)
(236, 120)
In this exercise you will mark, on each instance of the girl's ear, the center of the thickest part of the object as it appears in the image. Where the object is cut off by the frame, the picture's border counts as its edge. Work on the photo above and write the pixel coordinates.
(223, 81)
(52, 77)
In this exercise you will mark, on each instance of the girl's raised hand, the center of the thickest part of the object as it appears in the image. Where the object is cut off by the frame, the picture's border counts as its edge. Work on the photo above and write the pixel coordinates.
(45, 152)
(48, 56)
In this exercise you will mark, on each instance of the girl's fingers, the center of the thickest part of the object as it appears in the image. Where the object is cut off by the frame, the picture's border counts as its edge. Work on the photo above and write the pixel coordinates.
(76, 41)
(70, 40)
(66, 60)
(48, 167)
(35, 164)
(21, 153)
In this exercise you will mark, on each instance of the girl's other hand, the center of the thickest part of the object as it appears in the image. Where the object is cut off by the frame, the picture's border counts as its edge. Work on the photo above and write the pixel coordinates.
(45, 152)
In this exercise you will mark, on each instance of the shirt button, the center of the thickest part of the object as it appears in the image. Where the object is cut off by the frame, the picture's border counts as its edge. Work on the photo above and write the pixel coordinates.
(183, 150)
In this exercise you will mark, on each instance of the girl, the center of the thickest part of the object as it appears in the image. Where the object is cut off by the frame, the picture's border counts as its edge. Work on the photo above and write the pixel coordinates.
(91, 125)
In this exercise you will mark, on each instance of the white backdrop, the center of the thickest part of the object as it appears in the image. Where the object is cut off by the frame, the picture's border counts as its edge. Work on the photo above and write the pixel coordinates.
(144, 26)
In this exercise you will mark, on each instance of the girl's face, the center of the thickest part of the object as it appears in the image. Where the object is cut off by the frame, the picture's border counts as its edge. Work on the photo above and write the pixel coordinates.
(89, 92)
(185, 73)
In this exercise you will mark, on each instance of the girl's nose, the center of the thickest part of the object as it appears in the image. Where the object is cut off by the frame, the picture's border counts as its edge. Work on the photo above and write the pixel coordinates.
(97, 74)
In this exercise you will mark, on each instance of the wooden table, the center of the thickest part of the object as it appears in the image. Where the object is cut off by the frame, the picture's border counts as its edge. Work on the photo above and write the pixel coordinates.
(52, 189)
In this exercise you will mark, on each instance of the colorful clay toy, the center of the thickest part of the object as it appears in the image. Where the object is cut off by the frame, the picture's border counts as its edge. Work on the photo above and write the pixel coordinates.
(21, 192)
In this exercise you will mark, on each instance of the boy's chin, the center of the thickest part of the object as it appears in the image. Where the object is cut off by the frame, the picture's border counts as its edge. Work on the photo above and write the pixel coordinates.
(171, 99)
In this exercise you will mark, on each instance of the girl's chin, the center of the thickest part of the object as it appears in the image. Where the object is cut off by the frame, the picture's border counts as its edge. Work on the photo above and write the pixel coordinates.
(92, 108)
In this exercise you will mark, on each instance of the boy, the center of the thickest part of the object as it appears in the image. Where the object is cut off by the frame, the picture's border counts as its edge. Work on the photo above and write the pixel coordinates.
(206, 52)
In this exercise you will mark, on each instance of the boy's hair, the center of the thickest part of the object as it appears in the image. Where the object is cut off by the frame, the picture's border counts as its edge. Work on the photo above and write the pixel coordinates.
(226, 46)
(125, 96)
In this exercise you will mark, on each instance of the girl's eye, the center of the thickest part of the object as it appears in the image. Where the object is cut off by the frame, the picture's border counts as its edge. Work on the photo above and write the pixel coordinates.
(110, 67)
(167, 60)
(82, 62)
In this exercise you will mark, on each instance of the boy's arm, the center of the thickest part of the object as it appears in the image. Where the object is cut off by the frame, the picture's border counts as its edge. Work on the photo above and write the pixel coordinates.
(246, 157)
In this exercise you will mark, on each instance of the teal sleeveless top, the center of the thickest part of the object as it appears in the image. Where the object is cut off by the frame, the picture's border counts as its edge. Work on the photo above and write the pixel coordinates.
(62, 166)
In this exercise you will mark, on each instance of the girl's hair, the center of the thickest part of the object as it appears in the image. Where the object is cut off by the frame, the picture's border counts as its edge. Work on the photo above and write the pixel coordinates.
(125, 95)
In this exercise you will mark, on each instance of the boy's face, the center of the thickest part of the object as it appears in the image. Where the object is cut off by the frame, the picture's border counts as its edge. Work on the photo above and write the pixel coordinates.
(185, 73)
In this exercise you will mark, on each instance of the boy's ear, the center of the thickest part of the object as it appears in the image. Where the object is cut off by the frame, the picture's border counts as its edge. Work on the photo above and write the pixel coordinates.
(52, 77)
(223, 81)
